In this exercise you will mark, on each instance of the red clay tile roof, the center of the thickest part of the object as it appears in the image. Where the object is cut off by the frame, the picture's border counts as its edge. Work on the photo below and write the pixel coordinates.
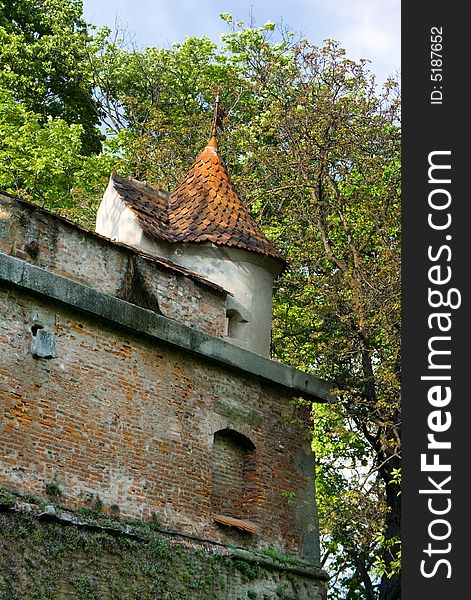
(149, 204)
(203, 208)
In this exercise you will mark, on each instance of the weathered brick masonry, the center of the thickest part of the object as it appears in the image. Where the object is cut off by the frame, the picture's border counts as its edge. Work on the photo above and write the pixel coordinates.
(133, 422)
(148, 427)
(55, 244)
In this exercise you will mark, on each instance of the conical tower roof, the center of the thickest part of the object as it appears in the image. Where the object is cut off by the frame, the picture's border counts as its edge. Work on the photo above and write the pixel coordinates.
(205, 207)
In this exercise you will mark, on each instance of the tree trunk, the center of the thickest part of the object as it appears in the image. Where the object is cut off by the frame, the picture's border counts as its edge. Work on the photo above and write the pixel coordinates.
(390, 587)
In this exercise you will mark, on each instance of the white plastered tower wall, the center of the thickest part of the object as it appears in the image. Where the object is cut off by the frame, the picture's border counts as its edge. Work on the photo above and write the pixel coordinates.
(246, 275)
(116, 221)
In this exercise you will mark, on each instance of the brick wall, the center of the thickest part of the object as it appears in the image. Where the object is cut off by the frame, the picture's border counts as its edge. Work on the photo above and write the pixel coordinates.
(39, 237)
(130, 421)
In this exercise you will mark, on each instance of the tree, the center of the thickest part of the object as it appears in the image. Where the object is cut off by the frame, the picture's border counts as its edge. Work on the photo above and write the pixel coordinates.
(43, 162)
(44, 58)
(49, 120)
(157, 103)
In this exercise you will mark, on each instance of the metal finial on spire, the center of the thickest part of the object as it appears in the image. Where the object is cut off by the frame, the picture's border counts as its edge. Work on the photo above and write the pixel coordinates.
(218, 116)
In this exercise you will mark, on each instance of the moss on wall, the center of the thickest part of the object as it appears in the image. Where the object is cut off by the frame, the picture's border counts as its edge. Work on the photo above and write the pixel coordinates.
(46, 560)
(97, 556)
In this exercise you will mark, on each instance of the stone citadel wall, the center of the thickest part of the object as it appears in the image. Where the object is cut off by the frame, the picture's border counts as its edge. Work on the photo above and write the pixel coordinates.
(133, 404)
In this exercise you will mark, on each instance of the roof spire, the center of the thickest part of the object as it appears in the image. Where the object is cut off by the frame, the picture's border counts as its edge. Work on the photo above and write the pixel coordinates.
(218, 116)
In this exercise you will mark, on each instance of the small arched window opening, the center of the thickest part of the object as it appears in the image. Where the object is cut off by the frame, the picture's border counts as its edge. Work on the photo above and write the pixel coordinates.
(234, 474)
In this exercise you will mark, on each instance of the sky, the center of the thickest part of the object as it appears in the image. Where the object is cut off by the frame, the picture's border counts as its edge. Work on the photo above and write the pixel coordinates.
(367, 29)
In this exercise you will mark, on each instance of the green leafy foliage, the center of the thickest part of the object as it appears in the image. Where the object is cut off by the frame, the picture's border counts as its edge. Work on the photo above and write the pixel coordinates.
(43, 53)
(42, 161)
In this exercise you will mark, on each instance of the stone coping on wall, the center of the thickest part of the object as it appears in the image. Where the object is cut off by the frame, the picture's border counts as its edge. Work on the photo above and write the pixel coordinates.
(29, 277)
